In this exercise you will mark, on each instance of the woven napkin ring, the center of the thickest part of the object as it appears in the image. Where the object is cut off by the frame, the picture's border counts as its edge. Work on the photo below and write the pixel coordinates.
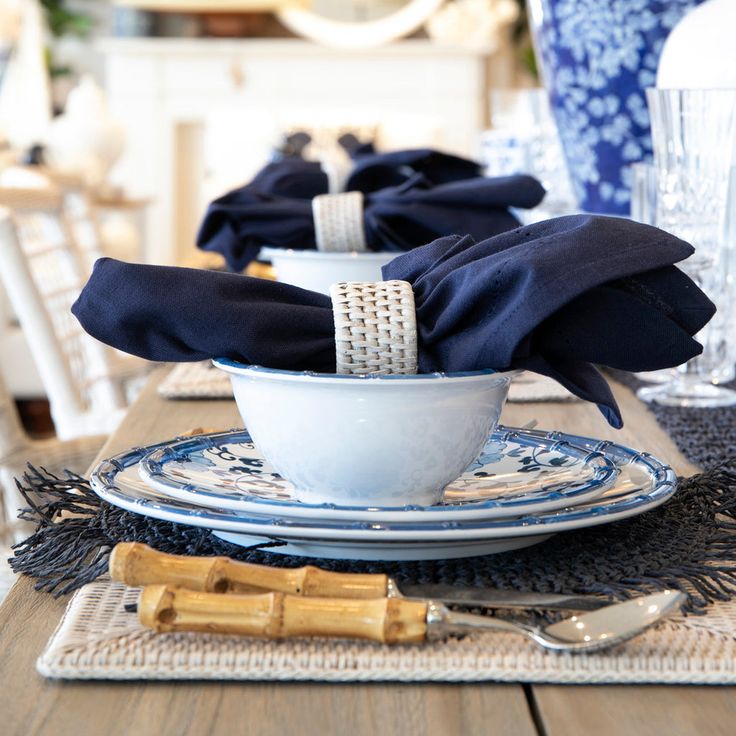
(338, 222)
(375, 327)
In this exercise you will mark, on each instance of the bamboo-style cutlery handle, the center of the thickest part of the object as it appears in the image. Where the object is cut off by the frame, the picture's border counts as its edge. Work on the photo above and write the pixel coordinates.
(137, 565)
(278, 616)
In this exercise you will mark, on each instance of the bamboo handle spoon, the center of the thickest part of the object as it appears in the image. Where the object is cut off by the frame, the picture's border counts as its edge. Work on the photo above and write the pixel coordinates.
(386, 620)
(137, 565)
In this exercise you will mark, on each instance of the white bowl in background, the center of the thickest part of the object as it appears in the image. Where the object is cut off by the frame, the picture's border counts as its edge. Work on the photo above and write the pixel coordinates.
(317, 271)
(368, 440)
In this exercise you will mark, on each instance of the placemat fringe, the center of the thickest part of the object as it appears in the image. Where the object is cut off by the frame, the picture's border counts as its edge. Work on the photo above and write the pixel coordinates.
(687, 544)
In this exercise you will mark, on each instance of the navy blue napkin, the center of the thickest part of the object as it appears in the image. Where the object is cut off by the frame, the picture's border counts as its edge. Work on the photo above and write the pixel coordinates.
(373, 171)
(292, 176)
(397, 219)
(555, 297)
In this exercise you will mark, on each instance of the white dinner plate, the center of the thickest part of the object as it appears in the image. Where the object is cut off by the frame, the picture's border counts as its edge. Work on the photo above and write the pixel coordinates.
(643, 483)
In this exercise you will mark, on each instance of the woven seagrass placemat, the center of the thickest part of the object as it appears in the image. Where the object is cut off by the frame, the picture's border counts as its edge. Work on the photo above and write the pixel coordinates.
(99, 639)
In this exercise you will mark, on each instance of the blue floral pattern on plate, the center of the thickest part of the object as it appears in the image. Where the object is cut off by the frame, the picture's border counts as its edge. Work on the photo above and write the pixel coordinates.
(643, 484)
(514, 473)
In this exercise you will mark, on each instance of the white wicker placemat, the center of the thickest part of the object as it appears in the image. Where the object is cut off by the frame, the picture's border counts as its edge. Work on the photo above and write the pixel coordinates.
(196, 381)
(98, 639)
(529, 386)
(202, 381)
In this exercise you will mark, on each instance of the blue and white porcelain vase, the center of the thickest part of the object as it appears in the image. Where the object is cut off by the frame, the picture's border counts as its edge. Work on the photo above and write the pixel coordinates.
(596, 58)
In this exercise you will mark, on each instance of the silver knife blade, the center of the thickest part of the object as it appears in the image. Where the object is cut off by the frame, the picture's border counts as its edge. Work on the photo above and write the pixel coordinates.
(493, 598)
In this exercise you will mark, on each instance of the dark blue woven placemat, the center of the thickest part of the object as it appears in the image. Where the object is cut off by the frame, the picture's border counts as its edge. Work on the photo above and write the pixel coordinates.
(688, 543)
(706, 437)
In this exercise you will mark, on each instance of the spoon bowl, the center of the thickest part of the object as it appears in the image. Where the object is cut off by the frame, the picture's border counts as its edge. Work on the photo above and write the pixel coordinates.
(591, 631)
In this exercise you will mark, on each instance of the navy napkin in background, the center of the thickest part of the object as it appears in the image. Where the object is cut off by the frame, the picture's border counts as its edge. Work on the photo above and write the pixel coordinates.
(554, 297)
(373, 170)
(289, 175)
(400, 218)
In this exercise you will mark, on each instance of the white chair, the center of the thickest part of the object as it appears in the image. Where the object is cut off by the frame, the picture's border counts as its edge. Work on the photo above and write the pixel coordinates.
(80, 216)
(17, 449)
(88, 384)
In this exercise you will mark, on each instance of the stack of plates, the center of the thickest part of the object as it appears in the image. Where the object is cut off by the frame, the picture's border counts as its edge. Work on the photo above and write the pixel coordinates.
(525, 486)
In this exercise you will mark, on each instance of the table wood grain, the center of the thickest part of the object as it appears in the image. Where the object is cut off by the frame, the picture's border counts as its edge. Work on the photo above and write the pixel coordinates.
(31, 705)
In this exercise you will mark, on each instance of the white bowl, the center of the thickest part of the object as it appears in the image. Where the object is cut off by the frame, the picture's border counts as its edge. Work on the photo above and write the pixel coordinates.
(368, 440)
(317, 271)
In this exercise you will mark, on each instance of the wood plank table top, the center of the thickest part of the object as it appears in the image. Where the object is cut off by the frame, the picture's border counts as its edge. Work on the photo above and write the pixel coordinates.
(31, 705)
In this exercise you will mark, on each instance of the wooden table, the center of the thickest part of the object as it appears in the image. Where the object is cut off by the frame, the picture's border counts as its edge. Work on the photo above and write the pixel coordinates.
(30, 705)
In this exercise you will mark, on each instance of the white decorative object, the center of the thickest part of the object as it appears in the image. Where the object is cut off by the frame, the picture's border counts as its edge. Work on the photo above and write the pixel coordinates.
(699, 53)
(24, 177)
(477, 24)
(340, 34)
(25, 96)
(85, 140)
(368, 440)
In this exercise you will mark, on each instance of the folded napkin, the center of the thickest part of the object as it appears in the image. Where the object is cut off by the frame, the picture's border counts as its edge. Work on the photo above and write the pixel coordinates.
(292, 176)
(398, 218)
(373, 171)
(554, 297)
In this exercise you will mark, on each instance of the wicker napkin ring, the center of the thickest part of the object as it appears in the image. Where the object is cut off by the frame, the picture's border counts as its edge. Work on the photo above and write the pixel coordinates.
(338, 222)
(375, 327)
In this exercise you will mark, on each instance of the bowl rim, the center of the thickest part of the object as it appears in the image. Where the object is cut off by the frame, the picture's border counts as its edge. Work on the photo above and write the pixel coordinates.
(270, 252)
(261, 372)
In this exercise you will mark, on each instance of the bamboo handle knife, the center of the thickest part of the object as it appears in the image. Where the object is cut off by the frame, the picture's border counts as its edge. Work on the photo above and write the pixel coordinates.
(277, 615)
(136, 564)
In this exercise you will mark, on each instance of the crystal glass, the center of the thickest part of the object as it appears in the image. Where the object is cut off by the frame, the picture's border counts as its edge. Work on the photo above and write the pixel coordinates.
(694, 141)
(644, 193)
(644, 209)
(524, 139)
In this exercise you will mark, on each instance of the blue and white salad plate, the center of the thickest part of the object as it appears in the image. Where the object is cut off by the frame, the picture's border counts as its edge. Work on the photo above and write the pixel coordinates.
(642, 484)
(516, 473)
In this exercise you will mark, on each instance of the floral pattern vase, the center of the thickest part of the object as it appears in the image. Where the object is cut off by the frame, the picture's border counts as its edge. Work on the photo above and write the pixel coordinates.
(597, 57)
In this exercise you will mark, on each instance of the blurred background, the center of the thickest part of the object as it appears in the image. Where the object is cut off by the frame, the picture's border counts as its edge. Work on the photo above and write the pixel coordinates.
(120, 121)
(152, 108)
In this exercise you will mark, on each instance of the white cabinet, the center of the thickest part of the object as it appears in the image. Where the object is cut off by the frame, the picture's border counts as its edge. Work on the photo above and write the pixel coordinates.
(201, 115)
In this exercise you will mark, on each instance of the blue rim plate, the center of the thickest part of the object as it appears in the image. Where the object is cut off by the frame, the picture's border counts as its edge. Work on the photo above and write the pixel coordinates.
(515, 474)
(643, 483)
(259, 371)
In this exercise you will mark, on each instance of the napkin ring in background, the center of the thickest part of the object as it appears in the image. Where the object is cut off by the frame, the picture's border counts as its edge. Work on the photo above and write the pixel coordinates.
(338, 222)
(375, 327)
